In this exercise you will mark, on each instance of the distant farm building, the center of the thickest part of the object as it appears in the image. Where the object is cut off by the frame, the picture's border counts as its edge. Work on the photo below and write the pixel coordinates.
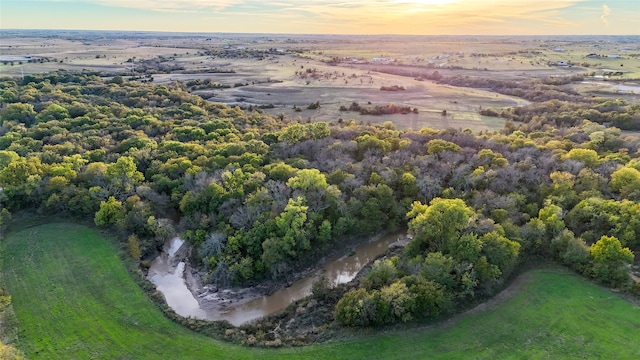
(21, 59)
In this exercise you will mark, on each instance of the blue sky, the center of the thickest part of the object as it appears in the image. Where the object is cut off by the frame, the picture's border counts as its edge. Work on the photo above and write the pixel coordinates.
(476, 17)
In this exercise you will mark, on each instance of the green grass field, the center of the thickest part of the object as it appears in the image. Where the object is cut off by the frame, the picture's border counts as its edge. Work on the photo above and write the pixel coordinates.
(74, 299)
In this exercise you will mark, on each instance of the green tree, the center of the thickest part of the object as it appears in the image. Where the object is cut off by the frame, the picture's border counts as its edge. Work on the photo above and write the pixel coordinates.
(234, 182)
(111, 211)
(134, 247)
(312, 184)
(353, 308)
(290, 238)
(280, 171)
(588, 156)
(626, 181)
(408, 186)
(551, 216)
(308, 180)
(6, 157)
(18, 171)
(588, 184)
(428, 298)
(123, 175)
(381, 273)
(400, 301)
(324, 231)
(370, 142)
(19, 112)
(319, 130)
(440, 269)
(293, 134)
(611, 261)
(490, 158)
(437, 146)
(436, 225)
(499, 250)
(571, 251)
(534, 236)
(465, 248)
(205, 201)
(593, 217)
(290, 226)
(375, 207)
(561, 191)
(52, 112)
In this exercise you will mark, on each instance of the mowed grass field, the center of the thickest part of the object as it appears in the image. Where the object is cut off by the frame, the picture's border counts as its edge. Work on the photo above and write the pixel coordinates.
(74, 299)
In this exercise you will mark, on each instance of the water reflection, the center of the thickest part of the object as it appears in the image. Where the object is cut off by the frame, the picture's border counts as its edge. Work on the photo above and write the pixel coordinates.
(169, 279)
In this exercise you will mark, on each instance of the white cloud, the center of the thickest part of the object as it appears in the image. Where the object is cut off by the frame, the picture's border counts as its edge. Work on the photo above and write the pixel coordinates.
(605, 12)
(171, 5)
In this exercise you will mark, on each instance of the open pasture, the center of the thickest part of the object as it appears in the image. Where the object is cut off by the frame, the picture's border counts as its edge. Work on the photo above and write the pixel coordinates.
(74, 299)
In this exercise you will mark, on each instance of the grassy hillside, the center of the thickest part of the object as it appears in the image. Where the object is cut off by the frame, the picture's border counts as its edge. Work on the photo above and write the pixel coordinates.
(75, 300)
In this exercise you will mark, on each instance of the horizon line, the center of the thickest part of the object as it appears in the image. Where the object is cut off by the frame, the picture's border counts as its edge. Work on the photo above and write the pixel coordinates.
(305, 34)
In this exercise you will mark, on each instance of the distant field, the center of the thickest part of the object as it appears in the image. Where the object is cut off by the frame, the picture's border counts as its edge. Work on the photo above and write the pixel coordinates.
(347, 65)
(74, 299)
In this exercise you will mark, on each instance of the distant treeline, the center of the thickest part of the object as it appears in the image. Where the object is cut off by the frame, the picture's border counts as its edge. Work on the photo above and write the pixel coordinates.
(611, 112)
(379, 109)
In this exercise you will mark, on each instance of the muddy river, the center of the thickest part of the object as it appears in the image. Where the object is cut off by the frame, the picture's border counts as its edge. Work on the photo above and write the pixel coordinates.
(168, 275)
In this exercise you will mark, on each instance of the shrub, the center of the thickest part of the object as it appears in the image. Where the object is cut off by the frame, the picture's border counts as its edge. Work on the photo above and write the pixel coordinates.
(382, 273)
(351, 310)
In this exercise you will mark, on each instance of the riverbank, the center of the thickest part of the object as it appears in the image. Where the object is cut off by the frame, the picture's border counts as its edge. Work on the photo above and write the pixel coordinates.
(242, 305)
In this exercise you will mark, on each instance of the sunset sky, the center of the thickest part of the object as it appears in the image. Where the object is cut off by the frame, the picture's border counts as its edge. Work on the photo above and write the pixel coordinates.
(475, 17)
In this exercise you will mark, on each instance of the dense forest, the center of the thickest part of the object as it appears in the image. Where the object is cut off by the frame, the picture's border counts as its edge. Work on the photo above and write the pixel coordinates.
(261, 197)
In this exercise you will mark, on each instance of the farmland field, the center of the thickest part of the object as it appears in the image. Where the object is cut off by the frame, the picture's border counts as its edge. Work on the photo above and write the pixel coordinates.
(281, 73)
(74, 299)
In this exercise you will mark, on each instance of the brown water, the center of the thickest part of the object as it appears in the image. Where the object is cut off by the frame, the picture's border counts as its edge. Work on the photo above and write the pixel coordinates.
(168, 277)
(338, 271)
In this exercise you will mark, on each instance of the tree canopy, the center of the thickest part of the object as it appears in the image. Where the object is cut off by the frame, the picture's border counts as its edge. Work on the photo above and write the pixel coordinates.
(263, 197)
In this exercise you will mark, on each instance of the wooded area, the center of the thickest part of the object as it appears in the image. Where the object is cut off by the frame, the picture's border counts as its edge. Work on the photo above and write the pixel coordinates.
(261, 197)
